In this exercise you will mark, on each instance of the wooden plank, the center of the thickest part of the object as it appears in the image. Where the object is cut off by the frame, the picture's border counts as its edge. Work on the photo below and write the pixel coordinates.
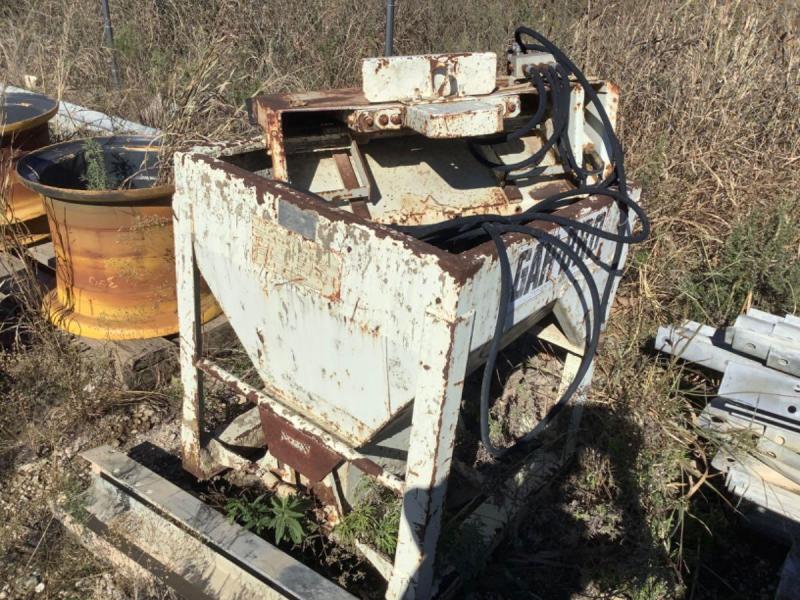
(159, 547)
(82, 528)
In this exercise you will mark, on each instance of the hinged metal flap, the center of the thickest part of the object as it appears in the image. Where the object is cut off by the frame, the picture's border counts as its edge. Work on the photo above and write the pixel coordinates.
(455, 119)
(428, 76)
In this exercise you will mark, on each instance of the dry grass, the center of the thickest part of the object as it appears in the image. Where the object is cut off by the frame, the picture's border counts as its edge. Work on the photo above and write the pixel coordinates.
(709, 122)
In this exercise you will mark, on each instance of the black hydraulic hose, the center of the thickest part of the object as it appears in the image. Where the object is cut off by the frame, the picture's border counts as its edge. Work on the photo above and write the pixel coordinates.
(592, 323)
(553, 83)
(613, 146)
(538, 81)
(559, 125)
(494, 347)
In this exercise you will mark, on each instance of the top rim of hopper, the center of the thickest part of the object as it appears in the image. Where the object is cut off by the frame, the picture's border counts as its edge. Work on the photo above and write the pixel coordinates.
(24, 110)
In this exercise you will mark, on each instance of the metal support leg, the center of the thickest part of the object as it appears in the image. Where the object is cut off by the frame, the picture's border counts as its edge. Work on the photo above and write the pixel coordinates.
(435, 415)
(190, 338)
(571, 365)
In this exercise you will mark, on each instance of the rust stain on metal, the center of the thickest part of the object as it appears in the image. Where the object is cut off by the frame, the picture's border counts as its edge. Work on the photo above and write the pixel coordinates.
(346, 172)
(365, 121)
(461, 266)
(293, 259)
(416, 210)
(349, 99)
(360, 208)
(368, 466)
(298, 449)
(271, 122)
(381, 64)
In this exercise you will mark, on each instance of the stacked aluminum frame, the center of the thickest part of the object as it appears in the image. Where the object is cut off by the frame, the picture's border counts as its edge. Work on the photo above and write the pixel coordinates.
(754, 419)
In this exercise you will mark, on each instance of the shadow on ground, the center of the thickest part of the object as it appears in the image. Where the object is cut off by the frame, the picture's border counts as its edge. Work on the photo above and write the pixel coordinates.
(589, 535)
(602, 528)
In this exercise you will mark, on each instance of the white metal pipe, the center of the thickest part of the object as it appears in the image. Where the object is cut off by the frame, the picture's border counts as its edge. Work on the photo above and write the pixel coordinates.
(73, 117)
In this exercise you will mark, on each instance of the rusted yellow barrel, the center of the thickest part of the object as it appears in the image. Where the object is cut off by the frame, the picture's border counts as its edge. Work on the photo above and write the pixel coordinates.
(115, 260)
(23, 127)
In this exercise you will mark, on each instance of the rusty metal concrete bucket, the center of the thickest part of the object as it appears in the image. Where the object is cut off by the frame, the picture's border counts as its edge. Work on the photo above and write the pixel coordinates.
(115, 263)
(23, 127)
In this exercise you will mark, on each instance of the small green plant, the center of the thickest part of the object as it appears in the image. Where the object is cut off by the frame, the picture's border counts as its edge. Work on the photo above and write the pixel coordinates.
(375, 520)
(385, 537)
(75, 499)
(287, 513)
(96, 177)
(284, 516)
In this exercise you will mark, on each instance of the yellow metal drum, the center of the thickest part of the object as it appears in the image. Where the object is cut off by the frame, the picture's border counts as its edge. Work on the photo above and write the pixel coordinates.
(115, 260)
(23, 127)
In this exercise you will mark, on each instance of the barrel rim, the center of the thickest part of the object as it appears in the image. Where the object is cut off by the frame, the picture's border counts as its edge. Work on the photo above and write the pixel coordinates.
(46, 106)
(28, 176)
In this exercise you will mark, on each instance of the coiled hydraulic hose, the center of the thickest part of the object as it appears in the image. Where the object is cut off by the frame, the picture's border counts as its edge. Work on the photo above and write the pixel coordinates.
(551, 83)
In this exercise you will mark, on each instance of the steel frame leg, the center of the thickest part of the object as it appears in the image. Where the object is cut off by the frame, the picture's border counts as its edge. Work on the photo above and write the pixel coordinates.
(191, 340)
(571, 365)
(437, 402)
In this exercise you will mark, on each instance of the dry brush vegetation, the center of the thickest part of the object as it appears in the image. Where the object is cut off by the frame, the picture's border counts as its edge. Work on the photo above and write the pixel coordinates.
(710, 105)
